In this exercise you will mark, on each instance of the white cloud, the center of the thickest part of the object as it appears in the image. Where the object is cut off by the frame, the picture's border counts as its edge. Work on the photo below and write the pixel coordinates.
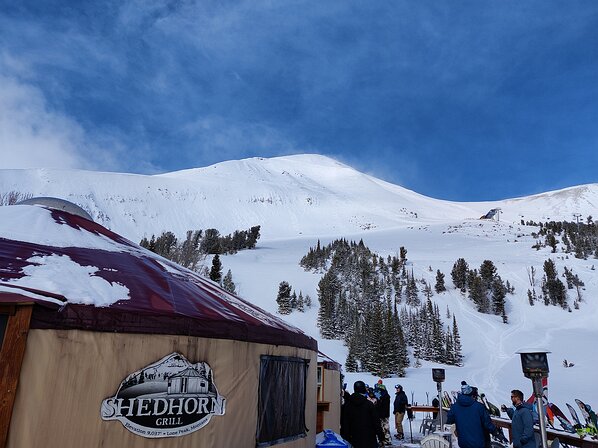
(33, 135)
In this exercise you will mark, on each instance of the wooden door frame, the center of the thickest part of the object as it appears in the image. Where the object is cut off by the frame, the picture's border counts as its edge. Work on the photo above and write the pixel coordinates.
(11, 359)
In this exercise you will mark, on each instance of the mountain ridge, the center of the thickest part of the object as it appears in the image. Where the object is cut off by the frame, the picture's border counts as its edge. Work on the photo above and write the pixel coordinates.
(305, 194)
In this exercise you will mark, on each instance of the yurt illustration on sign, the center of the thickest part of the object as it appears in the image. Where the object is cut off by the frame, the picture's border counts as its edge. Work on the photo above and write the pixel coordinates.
(168, 398)
(94, 328)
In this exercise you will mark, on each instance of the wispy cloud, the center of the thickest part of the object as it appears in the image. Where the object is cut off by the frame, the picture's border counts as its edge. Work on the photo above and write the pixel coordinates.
(33, 136)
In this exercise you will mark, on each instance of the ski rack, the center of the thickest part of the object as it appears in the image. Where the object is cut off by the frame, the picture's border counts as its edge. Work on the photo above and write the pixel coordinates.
(563, 436)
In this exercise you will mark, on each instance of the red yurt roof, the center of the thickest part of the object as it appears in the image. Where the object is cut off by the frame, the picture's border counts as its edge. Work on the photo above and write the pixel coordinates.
(81, 275)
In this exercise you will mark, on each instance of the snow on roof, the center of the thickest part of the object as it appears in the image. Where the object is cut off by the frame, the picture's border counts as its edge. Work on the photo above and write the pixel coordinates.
(85, 276)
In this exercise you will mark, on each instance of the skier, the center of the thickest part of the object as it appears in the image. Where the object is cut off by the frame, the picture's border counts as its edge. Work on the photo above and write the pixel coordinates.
(360, 422)
(522, 426)
(471, 418)
(399, 407)
(383, 408)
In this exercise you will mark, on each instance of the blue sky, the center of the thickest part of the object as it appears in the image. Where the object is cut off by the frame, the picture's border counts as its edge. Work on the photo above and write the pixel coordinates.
(461, 100)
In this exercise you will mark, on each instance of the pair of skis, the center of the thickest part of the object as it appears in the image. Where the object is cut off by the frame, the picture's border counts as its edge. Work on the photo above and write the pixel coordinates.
(575, 426)
(591, 424)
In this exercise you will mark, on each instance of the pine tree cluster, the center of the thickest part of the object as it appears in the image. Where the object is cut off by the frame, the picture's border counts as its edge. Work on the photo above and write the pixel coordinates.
(288, 300)
(553, 289)
(199, 243)
(426, 334)
(580, 239)
(359, 295)
(485, 287)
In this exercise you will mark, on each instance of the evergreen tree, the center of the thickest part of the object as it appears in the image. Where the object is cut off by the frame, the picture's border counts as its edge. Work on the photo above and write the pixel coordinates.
(188, 253)
(210, 244)
(487, 273)
(403, 255)
(439, 286)
(165, 245)
(328, 289)
(449, 350)
(307, 301)
(376, 341)
(403, 353)
(216, 271)
(412, 292)
(459, 274)
(427, 290)
(284, 298)
(457, 349)
(499, 292)
(300, 302)
(530, 297)
(351, 362)
(477, 294)
(551, 241)
(553, 288)
(228, 284)
(252, 236)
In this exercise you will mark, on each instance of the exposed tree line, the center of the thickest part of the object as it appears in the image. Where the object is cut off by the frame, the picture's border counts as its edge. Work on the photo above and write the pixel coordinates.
(13, 197)
(198, 243)
(485, 288)
(579, 239)
(360, 294)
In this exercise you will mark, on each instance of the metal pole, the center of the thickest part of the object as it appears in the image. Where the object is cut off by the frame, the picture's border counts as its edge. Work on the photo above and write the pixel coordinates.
(407, 412)
(439, 387)
(537, 383)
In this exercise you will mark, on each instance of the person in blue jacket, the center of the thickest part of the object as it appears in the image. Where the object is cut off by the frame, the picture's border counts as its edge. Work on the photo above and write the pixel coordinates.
(522, 424)
(471, 419)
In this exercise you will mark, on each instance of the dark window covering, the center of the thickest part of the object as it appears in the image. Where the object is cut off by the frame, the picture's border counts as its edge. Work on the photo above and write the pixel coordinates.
(281, 407)
(3, 323)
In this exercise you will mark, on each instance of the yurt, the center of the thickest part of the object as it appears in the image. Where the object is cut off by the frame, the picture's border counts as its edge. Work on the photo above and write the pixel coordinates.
(328, 389)
(105, 344)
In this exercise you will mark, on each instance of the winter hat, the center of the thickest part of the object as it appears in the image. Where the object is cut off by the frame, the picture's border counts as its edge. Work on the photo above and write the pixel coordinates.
(359, 387)
(380, 381)
(466, 389)
(398, 386)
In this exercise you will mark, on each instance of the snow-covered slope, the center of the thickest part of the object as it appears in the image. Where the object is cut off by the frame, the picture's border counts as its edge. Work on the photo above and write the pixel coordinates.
(288, 196)
(299, 199)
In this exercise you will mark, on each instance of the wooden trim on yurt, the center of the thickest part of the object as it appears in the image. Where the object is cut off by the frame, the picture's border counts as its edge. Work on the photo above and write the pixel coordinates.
(11, 358)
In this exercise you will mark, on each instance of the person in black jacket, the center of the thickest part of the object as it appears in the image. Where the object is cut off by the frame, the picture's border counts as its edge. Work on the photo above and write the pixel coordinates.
(383, 408)
(360, 422)
(399, 408)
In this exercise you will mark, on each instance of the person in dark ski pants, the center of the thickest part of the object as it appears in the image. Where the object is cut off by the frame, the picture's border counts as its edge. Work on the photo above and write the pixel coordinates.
(522, 425)
(383, 408)
(399, 407)
(360, 424)
(471, 419)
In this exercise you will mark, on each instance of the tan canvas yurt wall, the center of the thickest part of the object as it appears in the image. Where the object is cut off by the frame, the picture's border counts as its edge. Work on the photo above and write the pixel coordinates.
(67, 373)
(332, 394)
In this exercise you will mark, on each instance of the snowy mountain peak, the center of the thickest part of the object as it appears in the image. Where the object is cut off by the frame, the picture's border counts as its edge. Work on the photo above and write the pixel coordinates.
(304, 194)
